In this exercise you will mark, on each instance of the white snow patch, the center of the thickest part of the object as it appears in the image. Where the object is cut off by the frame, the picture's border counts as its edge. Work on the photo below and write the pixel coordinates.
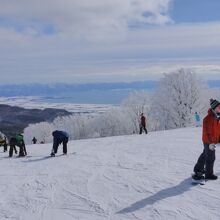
(134, 177)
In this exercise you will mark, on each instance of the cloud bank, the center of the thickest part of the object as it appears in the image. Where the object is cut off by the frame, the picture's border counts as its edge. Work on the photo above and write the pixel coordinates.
(93, 19)
(99, 40)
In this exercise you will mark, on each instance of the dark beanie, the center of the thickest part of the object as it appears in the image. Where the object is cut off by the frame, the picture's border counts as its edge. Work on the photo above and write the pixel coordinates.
(214, 103)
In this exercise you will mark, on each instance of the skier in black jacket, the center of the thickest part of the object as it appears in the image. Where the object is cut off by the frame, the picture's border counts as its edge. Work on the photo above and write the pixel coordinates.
(34, 140)
(58, 138)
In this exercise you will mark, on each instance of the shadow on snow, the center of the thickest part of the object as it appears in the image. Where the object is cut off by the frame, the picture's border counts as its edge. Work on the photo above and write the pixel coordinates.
(182, 187)
(46, 157)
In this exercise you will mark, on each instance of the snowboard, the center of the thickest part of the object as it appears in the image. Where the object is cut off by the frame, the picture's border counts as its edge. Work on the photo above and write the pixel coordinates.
(59, 155)
(196, 181)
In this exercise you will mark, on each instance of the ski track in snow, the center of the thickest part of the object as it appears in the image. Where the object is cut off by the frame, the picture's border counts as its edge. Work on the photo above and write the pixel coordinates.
(134, 177)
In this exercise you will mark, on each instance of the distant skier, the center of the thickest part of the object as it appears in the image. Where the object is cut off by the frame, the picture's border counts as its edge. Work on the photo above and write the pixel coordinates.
(210, 138)
(34, 140)
(58, 138)
(17, 140)
(142, 123)
(197, 119)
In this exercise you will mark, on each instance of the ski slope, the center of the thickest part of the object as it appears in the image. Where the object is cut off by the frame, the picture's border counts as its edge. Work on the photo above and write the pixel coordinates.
(136, 177)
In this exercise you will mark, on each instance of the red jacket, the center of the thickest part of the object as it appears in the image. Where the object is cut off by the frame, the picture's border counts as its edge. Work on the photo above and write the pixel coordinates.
(211, 129)
(143, 120)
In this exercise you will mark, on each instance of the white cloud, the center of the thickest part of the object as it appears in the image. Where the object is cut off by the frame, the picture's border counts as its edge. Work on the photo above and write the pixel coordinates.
(96, 18)
(27, 54)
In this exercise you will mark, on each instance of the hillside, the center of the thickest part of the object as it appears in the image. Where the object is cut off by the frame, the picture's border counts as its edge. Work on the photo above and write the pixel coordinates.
(136, 177)
(14, 119)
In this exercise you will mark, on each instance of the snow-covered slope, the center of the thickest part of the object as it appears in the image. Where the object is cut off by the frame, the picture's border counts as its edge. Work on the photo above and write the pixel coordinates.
(118, 178)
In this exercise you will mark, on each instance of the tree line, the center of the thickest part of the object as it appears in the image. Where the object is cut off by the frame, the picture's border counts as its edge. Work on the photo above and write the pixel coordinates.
(172, 105)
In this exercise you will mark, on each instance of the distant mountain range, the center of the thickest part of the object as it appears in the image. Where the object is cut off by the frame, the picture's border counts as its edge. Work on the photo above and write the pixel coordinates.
(63, 88)
(95, 93)
(14, 119)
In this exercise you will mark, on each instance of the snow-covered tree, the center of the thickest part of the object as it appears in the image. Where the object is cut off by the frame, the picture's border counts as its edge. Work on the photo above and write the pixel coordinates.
(114, 122)
(120, 120)
(138, 102)
(75, 125)
(178, 96)
(42, 131)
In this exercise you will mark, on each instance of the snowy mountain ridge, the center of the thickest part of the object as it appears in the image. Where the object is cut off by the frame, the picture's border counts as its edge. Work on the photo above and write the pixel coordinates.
(136, 177)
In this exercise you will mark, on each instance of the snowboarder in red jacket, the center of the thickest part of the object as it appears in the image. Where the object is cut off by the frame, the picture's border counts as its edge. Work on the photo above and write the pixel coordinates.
(210, 138)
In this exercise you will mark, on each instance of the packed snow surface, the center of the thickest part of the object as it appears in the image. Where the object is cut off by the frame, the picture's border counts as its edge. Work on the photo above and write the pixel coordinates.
(136, 177)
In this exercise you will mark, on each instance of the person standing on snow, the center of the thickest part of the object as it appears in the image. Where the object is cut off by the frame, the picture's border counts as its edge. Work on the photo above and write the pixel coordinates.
(34, 140)
(17, 140)
(210, 138)
(197, 119)
(142, 124)
(58, 138)
(21, 145)
(12, 146)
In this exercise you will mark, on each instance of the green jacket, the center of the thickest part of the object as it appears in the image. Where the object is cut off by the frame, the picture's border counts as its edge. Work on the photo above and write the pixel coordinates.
(19, 139)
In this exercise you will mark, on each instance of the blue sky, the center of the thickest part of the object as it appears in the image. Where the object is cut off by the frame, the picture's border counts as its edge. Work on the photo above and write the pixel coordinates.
(195, 11)
(50, 41)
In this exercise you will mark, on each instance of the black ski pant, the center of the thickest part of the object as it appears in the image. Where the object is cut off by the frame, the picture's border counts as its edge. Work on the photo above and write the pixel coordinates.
(143, 127)
(22, 151)
(56, 143)
(5, 147)
(11, 149)
(205, 161)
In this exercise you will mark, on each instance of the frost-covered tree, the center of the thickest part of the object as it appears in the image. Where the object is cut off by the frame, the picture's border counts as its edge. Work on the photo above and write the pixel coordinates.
(173, 104)
(114, 122)
(138, 102)
(75, 125)
(178, 96)
(42, 131)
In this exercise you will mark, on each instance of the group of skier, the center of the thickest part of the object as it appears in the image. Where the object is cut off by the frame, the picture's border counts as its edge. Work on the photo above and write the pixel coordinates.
(14, 141)
(202, 169)
(59, 137)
